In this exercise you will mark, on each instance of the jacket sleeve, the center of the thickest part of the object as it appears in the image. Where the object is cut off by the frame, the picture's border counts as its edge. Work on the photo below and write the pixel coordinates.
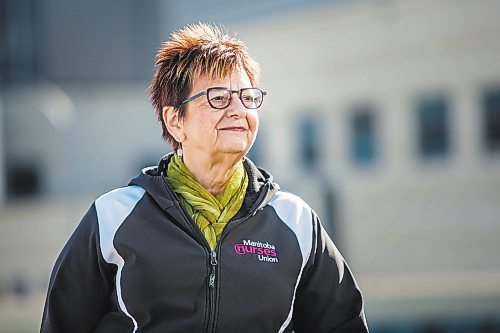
(328, 298)
(81, 283)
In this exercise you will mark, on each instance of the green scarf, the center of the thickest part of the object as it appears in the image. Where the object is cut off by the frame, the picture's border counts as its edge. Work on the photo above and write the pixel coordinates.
(211, 213)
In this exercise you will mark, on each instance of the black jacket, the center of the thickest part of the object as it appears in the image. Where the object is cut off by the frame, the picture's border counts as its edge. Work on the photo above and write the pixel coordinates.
(138, 263)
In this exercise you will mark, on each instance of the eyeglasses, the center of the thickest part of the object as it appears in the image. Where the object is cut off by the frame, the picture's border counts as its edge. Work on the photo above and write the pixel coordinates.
(220, 98)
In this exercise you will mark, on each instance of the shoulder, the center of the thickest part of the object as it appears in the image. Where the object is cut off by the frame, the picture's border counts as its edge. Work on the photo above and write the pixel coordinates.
(117, 204)
(286, 203)
(123, 196)
(297, 215)
(112, 209)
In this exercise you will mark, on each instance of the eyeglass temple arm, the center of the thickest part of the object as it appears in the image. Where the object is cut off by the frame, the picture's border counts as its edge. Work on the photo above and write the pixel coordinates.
(194, 97)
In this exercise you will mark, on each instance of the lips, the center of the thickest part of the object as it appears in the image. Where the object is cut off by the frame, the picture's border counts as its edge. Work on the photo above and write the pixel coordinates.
(234, 128)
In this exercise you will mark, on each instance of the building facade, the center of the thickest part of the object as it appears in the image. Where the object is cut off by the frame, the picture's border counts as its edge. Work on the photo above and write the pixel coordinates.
(384, 116)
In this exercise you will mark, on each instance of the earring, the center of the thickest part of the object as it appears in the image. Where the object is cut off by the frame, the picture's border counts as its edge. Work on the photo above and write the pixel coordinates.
(179, 151)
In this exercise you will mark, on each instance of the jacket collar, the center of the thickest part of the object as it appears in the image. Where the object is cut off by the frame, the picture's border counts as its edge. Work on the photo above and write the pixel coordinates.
(152, 179)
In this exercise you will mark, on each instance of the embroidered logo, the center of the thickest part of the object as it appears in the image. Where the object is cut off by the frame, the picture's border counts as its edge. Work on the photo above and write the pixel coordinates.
(264, 251)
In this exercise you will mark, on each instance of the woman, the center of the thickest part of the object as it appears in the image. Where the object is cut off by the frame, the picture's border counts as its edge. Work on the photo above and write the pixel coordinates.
(205, 241)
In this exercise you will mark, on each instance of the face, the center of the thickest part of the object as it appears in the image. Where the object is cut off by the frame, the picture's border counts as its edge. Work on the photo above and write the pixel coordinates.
(214, 132)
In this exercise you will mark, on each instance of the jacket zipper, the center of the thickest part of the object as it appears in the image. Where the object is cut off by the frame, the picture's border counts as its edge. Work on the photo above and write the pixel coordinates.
(212, 290)
(213, 262)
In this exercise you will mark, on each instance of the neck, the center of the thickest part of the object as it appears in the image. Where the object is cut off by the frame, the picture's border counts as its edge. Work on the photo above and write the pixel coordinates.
(212, 173)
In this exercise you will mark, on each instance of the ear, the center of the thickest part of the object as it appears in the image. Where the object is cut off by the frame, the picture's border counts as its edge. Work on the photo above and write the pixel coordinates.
(173, 123)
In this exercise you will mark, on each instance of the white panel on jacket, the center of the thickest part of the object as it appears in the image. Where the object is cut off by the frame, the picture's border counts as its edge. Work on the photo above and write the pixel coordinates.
(297, 215)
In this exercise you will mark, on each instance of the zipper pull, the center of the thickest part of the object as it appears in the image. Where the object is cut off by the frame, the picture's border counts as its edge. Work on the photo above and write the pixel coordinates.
(213, 262)
(211, 281)
(213, 258)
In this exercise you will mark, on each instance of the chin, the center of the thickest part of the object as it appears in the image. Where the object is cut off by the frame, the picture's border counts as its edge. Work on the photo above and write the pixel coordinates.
(240, 149)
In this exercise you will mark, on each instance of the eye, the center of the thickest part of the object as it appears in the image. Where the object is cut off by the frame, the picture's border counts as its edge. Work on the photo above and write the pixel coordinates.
(217, 98)
(249, 98)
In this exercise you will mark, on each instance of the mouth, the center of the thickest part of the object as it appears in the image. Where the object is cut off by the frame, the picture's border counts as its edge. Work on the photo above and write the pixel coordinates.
(234, 129)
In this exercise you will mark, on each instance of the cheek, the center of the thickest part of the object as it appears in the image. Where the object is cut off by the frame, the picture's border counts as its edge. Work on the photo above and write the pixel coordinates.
(204, 127)
(253, 121)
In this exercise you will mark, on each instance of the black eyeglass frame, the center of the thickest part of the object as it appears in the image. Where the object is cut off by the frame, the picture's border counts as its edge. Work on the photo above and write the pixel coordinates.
(239, 92)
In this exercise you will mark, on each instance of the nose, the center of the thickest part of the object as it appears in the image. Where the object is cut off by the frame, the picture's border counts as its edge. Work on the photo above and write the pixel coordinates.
(236, 107)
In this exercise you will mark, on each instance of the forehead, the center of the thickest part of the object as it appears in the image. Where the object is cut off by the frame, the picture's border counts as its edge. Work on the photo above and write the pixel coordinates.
(237, 79)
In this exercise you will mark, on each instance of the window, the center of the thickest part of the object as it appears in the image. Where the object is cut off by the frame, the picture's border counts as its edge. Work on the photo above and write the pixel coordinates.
(491, 121)
(23, 181)
(309, 143)
(17, 54)
(363, 136)
(433, 128)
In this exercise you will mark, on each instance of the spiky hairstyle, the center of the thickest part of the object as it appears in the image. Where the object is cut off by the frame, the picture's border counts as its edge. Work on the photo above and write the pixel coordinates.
(193, 51)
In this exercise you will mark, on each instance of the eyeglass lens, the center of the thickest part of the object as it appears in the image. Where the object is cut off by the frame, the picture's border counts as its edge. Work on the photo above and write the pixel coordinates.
(220, 98)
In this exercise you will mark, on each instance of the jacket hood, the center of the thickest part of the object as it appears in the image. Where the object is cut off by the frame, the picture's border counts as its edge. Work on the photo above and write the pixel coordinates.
(261, 186)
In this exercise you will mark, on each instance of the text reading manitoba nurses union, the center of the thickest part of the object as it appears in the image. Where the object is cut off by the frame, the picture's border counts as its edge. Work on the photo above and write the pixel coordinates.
(263, 250)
